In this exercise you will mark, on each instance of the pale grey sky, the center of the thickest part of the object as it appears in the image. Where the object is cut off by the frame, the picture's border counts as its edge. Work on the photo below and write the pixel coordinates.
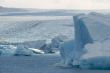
(57, 4)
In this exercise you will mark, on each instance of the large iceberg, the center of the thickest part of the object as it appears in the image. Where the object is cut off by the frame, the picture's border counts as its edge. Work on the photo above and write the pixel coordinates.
(97, 53)
(72, 50)
(91, 43)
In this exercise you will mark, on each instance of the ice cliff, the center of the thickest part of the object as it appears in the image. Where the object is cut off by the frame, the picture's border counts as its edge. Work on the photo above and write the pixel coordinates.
(91, 43)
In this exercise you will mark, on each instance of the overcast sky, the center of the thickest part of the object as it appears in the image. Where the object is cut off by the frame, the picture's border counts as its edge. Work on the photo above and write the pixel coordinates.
(57, 4)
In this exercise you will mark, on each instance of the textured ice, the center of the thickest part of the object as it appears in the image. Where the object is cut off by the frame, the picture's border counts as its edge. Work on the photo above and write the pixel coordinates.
(91, 44)
(66, 51)
(30, 47)
(23, 51)
(71, 51)
(21, 48)
(52, 45)
(56, 41)
(30, 28)
(97, 55)
(34, 31)
(7, 50)
(97, 52)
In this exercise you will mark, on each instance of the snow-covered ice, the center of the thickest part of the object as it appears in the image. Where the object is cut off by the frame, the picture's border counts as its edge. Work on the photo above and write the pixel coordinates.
(34, 31)
(97, 53)
(91, 44)
(32, 28)
(87, 46)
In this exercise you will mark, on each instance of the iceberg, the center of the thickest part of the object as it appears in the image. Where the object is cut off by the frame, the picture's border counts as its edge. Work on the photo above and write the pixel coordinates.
(90, 48)
(96, 54)
(71, 51)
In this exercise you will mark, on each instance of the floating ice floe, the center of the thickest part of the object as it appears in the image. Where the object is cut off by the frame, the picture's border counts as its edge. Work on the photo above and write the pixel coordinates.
(37, 51)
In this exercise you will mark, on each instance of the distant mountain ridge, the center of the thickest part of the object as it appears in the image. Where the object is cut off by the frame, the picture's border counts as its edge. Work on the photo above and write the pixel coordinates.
(4, 11)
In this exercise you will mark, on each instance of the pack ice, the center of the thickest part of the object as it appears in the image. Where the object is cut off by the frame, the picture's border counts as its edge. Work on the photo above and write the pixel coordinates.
(27, 48)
